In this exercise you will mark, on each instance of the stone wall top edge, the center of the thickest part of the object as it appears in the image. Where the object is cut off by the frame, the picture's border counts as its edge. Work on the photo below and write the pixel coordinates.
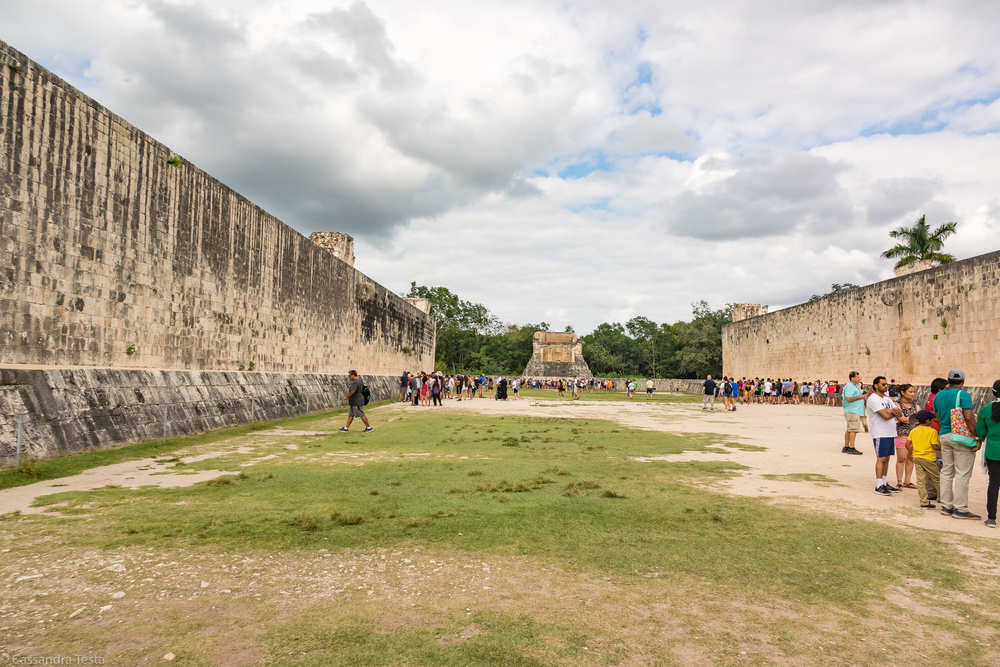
(933, 272)
(7, 49)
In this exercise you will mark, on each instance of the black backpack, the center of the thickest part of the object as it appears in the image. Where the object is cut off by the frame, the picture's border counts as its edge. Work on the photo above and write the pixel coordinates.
(366, 393)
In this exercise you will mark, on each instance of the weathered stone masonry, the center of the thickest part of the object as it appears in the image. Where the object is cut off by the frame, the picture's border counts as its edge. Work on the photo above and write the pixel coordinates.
(108, 240)
(117, 254)
(913, 328)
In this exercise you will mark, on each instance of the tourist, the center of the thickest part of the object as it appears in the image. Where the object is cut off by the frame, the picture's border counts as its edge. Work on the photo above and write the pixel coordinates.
(424, 389)
(854, 408)
(630, 388)
(649, 389)
(356, 402)
(708, 401)
(988, 430)
(451, 387)
(904, 463)
(922, 445)
(436, 391)
(404, 383)
(415, 389)
(726, 390)
(958, 459)
(937, 384)
(883, 414)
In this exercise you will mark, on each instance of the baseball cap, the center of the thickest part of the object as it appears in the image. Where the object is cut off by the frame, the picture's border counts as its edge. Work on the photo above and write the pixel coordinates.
(956, 375)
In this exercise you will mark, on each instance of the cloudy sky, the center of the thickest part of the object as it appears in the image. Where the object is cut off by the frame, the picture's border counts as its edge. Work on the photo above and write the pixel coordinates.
(574, 162)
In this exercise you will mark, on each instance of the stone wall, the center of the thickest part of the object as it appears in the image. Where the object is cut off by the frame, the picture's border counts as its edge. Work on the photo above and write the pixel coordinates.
(115, 252)
(70, 411)
(912, 328)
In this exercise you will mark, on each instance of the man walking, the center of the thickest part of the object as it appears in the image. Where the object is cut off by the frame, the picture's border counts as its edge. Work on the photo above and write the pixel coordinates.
(957, 459)
(883, 413)
(356, 401)
(854, 409)
(708, 401)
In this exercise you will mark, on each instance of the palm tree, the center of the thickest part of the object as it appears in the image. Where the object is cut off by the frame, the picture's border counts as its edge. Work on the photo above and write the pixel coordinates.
(920, 243)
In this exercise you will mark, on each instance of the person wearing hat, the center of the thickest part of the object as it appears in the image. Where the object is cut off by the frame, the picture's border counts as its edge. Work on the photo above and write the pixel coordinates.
(958, 459)
(988, 431)
(923, 446)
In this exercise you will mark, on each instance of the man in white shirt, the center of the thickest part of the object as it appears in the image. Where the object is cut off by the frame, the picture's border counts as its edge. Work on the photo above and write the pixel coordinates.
(882, 415)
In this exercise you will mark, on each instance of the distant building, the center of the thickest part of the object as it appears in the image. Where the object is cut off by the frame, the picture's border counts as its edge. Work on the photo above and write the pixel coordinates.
(557, 355)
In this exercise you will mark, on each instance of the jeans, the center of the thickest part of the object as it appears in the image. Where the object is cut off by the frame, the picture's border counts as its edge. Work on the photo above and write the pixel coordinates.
(994, 486)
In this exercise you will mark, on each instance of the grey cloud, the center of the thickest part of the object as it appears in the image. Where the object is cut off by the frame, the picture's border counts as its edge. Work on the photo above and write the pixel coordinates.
(765, 196)
(328, 70)
(893, 197)
(359, 26)
(191, 24)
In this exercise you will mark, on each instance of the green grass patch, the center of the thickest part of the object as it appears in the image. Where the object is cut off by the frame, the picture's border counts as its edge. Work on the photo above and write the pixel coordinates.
(815, 478)
(570, 493)
(326, 636)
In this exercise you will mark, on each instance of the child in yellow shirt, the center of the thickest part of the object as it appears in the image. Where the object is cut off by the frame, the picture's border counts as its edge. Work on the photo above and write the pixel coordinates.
(923, 445)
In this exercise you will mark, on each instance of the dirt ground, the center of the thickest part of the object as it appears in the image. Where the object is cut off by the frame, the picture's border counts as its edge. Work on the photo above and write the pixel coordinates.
(144, 605)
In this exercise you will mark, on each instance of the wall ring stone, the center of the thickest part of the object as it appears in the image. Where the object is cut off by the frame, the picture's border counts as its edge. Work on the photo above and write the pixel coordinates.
(891, 297)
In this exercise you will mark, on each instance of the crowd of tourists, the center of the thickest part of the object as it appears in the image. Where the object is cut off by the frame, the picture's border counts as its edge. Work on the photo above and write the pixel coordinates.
(938, 441)
(785, 391)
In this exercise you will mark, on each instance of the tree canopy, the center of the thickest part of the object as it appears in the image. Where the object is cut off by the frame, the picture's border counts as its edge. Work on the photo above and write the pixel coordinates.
(470, 338)
(919, 243)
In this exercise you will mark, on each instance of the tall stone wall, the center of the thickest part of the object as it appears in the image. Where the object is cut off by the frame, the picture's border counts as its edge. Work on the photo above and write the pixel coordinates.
(114, 252)
(912, 328)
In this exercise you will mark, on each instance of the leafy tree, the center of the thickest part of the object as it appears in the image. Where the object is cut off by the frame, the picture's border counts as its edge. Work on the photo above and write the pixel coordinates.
(919, 243)
(448, 309)
(835, 288)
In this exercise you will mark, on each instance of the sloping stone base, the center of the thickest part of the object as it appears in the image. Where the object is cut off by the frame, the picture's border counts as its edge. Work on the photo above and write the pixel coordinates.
(71, 411)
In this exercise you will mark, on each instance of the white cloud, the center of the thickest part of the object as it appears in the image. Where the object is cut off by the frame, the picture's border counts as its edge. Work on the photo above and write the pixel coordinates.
(435, 134)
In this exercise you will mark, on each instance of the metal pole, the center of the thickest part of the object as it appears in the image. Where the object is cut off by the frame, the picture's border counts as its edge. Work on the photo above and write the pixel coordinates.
(164, 421)
(20, 429)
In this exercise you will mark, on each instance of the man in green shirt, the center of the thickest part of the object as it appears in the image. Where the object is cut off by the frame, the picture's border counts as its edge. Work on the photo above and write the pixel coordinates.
(958, 459)
(988, 430)
(854, 410)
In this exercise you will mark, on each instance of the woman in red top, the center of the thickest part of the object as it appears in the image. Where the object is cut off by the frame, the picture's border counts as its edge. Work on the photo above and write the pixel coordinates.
(937, 384)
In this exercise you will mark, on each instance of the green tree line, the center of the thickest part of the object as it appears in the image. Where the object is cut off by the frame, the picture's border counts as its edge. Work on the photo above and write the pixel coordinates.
(471, 339)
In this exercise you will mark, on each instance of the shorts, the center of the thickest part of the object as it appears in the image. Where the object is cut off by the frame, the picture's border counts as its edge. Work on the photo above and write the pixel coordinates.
(709, 398)
(649, 390)
(901, 442)
(884, 447)
(356, 411)
(853, 422)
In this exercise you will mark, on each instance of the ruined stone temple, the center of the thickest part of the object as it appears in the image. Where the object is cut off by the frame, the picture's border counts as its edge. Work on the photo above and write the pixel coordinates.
(141, 296)
(556, 355)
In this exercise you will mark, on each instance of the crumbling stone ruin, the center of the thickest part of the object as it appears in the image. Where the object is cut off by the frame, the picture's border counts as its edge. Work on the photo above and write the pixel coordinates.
(556, 355)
